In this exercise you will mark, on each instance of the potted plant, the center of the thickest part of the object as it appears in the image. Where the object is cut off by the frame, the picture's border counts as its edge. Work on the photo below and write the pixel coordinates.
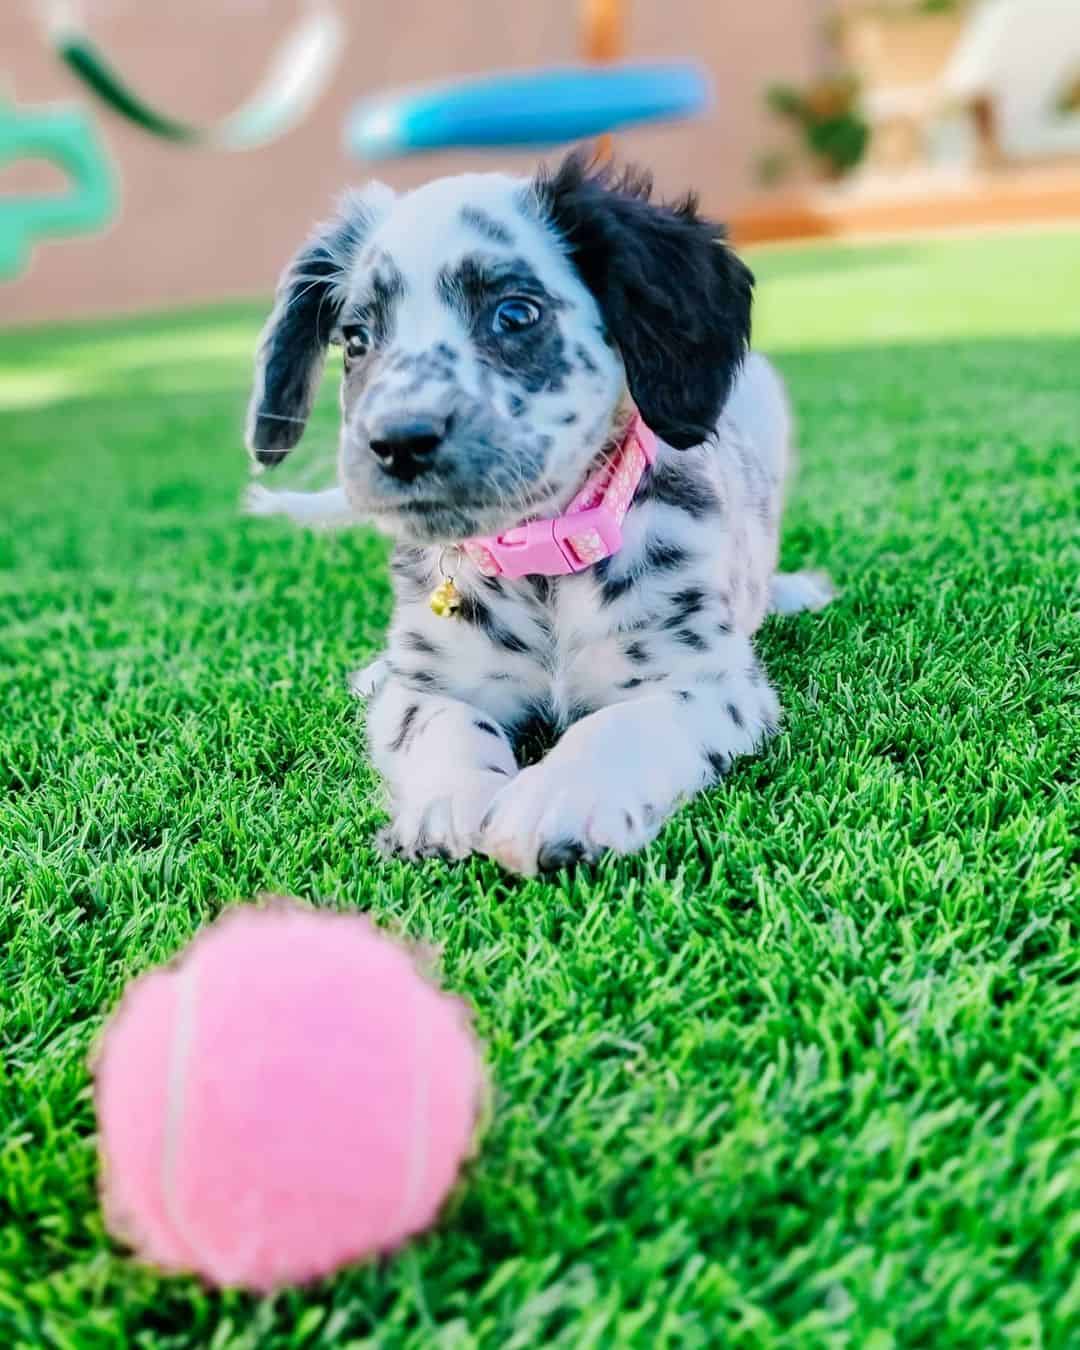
(827, 117)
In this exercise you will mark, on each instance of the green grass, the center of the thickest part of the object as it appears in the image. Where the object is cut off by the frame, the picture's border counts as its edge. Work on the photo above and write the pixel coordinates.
(805, 1074)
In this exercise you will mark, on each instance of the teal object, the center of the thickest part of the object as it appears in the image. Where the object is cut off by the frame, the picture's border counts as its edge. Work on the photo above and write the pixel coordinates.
(541, 108)
(299, 72)
(65, 137)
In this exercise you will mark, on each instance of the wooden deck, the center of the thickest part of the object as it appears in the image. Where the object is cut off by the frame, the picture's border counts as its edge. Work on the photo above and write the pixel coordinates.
(1030, 196)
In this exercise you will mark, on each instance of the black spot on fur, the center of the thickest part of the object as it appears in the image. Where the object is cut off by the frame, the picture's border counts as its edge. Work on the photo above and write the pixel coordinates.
(636, 681)
(534, 732)
(495, 768)
(542, 587)
(568, 419)
(424, 367)
(424, 678)
(735, 715)
(637, 652)
(508, 640)
(385, 289)
(684, 695)
(488, 728)
(691, 599)
(582, 354)
(417, 642)
(614, 588)
(517, 405)
(687, 603)
(485, 224)
(669, 288)
(719, 762)
(535, 357)
(410, 563)
(474, 611)
(661, 555)
(407, 720)
(690, 639)
(678, 484)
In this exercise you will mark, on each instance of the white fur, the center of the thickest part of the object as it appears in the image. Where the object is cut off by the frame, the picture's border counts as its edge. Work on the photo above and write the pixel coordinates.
(645, 668)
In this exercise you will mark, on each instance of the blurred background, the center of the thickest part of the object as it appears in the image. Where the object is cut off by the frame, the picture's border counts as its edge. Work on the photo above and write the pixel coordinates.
(831, 118)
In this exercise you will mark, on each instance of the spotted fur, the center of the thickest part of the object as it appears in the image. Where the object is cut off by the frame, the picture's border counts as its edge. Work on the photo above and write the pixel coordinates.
(552, 718)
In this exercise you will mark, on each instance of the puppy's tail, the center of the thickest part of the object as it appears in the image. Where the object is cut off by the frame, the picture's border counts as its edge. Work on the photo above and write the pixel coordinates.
(759, 407)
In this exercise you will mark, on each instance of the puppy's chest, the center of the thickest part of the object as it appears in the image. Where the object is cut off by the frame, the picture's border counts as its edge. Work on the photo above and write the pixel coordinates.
(540, 649)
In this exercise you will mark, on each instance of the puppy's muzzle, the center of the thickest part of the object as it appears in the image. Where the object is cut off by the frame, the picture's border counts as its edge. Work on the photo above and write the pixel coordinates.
(407, 447)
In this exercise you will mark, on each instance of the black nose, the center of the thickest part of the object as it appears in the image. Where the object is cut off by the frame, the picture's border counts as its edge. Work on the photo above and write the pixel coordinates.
(407, 446)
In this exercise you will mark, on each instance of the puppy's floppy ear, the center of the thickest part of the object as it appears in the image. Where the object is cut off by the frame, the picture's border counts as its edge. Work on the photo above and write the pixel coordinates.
(292, 346)
(675, 298)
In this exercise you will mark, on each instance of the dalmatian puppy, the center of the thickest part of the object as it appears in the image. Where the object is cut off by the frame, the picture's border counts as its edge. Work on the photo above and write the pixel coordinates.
(506, 341)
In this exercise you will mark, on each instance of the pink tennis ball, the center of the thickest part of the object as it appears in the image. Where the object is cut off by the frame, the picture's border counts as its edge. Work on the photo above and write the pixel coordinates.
(290, 1096)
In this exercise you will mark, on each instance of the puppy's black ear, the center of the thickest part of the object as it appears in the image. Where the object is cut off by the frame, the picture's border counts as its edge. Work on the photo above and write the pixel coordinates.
(292, 346)
(674, 297)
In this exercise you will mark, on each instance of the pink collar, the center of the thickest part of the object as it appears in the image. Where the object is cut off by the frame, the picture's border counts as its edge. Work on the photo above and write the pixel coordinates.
(589, 530)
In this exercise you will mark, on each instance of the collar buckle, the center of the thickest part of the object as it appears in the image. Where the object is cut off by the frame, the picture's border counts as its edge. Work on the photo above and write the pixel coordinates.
(588, 532)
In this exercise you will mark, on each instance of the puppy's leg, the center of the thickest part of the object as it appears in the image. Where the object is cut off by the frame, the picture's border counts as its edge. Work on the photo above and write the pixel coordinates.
(365, 681)
(443, 761)
(792, 592)
(616, 775)
(329, 509)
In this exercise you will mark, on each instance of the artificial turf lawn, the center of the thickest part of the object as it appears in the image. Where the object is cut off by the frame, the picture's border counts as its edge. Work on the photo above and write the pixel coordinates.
(805, 1074)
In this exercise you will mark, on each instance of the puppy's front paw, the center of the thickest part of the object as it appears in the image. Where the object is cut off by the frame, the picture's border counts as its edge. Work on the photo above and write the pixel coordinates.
(546, 819)
(445, 825)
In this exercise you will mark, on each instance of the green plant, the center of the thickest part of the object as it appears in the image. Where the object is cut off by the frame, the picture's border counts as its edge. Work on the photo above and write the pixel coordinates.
(827, 114)
(1067, 103)
(914, 6)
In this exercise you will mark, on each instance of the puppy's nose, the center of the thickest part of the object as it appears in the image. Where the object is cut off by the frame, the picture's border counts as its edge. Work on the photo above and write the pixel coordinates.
(406, 446)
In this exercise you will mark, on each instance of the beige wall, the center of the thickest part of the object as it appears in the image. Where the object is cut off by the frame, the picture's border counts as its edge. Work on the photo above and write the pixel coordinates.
(199, 225)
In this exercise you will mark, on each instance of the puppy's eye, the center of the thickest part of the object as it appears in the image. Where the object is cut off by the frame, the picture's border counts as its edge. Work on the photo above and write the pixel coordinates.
(512, 315)
(356, 341)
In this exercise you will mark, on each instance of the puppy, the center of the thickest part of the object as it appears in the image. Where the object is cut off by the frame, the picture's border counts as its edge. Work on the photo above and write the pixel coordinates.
(516, 352)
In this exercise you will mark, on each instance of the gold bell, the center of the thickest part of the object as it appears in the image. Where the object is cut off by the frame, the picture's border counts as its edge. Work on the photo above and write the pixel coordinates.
(445, 599)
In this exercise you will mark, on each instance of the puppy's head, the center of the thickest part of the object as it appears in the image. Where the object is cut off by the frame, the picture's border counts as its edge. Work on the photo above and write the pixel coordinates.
(491, 329)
